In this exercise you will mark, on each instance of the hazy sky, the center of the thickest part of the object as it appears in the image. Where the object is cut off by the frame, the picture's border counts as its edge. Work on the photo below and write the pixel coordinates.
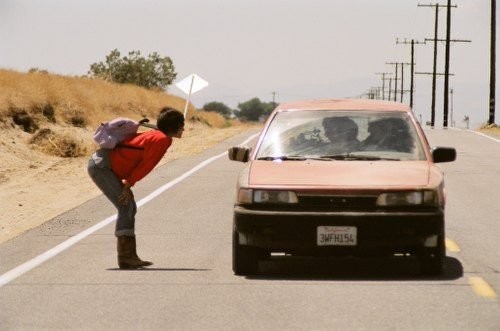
(299, 49)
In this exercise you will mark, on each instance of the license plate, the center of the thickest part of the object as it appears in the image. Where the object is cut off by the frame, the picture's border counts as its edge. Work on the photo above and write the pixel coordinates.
(337, 236)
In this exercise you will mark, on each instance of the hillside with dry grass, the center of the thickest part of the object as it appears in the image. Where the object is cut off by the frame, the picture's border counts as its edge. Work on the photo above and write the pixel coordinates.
(51, 106)
(47, 122)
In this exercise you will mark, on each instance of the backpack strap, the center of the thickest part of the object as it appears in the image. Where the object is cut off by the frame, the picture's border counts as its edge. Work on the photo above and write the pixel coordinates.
(145, 122)
(130, 147)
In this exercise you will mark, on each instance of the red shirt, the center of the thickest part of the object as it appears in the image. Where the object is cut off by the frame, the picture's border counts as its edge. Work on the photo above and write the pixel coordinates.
(132, 164)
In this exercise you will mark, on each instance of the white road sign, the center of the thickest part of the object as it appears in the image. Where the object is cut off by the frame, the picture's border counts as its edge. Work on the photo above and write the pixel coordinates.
(189, 85)
(192, 84)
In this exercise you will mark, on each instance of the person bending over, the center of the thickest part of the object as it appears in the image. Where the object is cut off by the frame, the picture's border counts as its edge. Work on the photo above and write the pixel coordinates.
(115, 171)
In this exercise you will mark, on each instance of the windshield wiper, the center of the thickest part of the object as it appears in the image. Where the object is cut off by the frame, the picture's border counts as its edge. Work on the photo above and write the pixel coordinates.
(282, 158)
(356, 157)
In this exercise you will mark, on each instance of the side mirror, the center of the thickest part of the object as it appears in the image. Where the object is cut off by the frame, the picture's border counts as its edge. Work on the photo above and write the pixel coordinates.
(444, 154)
(239, 153)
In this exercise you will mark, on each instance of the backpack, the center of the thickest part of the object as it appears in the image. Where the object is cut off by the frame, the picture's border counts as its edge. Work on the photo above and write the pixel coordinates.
(108, 135)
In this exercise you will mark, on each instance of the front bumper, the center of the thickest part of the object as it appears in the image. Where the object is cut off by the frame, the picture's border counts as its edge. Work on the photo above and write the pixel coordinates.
(378, 233)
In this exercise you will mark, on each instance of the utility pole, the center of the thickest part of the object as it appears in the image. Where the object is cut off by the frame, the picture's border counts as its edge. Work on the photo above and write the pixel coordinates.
(402, 81)
(447, 64)
(447, 76)
(396, 79)
(395, 82)
(491, 118)
(436, 19)
(383, 82)
(413, 43)
(375, 92)
(451, 108)
(447, 60)
(274, 96)
(390, 88)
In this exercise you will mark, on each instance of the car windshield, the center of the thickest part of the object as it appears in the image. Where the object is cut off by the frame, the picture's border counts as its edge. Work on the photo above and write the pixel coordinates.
(341, 135)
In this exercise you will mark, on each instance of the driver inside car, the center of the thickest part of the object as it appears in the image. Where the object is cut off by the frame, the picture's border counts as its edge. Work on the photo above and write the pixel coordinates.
(342, 132)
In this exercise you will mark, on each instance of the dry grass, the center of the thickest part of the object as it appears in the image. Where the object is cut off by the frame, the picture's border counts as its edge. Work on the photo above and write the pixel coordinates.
(90, 100)
(490, 128)
(48, 106)
(62, 145)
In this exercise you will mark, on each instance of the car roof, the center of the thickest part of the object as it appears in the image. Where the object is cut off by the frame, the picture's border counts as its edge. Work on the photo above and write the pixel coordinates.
(344, 104)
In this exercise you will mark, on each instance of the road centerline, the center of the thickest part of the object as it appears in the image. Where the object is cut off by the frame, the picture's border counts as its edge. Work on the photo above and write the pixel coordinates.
(451, 245)
(481, 287)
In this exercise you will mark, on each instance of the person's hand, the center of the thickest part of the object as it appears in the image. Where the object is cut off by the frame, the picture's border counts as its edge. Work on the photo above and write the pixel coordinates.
(126, 196)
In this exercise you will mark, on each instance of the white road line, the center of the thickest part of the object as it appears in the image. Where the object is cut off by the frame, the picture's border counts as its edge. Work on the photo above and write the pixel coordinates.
(36, 261)
(484, 135)
(472, 131)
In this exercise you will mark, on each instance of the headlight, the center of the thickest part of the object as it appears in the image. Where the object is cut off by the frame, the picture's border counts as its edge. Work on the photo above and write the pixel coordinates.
(247, 196)
(417, 198)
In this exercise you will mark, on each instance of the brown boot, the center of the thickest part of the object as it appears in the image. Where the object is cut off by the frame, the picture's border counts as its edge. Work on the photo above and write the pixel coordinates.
(127, 258)
(144, 263)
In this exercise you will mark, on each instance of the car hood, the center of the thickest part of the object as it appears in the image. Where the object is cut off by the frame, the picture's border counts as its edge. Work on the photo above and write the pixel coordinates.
(339, 174)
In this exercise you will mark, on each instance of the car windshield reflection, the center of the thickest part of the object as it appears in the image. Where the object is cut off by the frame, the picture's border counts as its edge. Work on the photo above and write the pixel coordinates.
(359, 135)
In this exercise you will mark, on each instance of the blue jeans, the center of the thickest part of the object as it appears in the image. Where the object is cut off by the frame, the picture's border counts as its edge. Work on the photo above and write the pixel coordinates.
(99, 169)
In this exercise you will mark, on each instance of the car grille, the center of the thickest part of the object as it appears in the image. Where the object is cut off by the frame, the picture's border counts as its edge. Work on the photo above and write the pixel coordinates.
(331, 202)
(337, 201)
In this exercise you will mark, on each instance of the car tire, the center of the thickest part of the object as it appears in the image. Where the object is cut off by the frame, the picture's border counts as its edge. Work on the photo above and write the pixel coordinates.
(245, 258)
(431, 262)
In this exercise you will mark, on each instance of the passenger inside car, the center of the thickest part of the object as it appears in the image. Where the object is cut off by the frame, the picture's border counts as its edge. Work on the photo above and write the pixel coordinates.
(388, 134)
(342, 133)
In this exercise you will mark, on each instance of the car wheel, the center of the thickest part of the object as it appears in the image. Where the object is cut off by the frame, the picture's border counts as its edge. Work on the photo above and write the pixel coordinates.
(431, 261)
(245, 258)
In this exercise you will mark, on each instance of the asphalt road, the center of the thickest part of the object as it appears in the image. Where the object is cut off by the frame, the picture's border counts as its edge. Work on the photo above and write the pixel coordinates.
(186, 232)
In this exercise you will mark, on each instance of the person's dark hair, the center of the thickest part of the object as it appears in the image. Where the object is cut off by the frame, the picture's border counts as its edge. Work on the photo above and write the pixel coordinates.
(169, 120)
(339, 125)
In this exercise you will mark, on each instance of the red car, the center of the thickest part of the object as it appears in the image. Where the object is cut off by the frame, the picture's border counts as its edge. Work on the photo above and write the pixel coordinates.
(340, 178)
